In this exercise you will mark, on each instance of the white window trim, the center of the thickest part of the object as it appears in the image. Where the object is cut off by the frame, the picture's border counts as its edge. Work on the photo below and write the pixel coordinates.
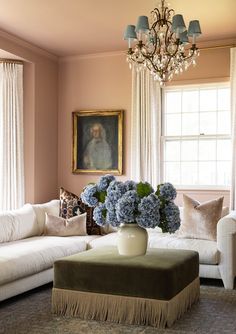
(189, 87)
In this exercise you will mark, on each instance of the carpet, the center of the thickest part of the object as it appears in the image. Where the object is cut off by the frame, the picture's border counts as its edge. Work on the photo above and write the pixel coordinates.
(30, 313)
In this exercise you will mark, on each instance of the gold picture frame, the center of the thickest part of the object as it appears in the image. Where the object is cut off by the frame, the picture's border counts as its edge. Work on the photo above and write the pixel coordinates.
(97, 141)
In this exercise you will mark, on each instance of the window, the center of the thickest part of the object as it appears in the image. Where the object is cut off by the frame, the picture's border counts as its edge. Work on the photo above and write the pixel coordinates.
(196, 141)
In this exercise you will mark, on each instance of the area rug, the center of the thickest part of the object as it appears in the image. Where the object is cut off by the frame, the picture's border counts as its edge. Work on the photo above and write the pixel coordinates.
(30, 313)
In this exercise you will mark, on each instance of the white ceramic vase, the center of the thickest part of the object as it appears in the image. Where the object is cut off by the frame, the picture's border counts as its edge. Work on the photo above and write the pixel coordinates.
(132, 240)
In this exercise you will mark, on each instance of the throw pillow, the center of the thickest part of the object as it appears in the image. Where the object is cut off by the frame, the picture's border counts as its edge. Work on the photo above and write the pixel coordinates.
(61, 227)
(51, 207)
(71, 205)
(200, 219)
(18, 224)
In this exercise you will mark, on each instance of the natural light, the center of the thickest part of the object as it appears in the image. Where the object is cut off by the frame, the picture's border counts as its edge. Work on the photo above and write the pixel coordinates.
(197, 135)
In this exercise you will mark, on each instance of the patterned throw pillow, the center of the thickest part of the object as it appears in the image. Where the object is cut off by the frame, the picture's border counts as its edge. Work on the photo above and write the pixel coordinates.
(71, 205)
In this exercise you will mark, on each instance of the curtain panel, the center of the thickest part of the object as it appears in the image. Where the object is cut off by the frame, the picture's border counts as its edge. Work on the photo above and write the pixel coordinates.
(233, 117)
(11, 136)
(145, 128)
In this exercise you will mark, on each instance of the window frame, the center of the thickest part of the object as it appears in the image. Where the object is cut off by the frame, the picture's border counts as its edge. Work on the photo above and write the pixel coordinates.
(185, 87)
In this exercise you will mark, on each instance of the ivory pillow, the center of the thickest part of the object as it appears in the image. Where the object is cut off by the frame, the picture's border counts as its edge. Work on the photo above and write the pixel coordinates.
(200, 219)
(62, 227)
(51, 207)
(18, 224)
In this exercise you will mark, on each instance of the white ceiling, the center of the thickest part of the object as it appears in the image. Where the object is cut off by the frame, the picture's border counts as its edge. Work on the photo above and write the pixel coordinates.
(77, 27)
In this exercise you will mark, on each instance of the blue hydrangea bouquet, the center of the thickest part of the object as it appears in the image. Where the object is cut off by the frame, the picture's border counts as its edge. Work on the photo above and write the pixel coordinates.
(129, 202)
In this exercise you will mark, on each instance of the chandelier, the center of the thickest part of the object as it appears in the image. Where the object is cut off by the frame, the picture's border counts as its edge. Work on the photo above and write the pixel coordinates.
(162, 48)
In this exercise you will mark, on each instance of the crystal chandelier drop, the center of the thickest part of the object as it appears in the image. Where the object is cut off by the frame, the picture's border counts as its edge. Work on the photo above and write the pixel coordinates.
(162, 48)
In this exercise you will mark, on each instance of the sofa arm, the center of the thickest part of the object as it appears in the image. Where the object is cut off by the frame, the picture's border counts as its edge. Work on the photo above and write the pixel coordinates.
(226, 244)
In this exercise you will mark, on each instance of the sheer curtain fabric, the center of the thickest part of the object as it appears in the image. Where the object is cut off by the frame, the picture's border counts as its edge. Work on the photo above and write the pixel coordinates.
(233, 115)
(11, 136)
(145, 128)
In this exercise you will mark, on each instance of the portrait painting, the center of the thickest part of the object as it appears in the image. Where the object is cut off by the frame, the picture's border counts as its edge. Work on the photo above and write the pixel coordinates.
(97, 141)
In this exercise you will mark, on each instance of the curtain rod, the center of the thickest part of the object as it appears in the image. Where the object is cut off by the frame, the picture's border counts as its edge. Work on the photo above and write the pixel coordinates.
(217, 47)
(11, 61)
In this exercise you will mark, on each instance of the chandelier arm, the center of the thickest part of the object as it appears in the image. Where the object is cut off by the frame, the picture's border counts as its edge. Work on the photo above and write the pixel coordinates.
(168, 39)
(136, 60)
(157, 14)
(192, 53)
(157, 39)
(169, 13)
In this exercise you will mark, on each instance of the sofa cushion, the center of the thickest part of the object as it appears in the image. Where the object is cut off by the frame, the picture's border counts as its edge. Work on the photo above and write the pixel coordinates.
(200, 219)
(207, 249)
(30, 256)
(18, 224)
(61, 227)
(51, 208)
(208, 253)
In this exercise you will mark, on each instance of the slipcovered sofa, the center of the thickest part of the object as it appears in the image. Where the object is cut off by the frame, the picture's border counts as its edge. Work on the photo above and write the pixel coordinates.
(27, 256)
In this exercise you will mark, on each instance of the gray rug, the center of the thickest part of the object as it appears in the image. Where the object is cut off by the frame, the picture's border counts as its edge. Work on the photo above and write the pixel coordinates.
(30, 313)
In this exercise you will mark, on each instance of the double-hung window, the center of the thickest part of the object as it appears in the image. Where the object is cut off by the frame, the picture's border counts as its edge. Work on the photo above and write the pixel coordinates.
(196, 136)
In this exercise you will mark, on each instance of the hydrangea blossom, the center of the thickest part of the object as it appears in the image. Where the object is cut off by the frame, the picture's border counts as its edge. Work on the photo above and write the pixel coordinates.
(171, 217)
(112, 219)
(105, 181)
(130, 185)
(127, 207)
(114, 192)
(168, 191)
(149, 208)
(88, 195)
(99, 214)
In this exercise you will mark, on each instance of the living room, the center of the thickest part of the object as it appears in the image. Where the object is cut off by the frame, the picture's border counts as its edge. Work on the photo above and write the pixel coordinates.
(74, 64)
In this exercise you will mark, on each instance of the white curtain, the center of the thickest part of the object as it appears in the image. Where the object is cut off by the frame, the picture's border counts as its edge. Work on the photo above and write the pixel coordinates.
(233, 113)
(11, 136)
(145, 128)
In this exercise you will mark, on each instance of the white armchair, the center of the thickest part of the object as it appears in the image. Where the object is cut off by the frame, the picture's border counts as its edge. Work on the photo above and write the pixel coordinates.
(226, 244)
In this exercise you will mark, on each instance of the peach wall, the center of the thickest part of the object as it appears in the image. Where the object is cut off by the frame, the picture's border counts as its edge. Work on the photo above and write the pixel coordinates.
(104, 82)
(203, 195)
(95, 82)
(40, 118)
(212, 65)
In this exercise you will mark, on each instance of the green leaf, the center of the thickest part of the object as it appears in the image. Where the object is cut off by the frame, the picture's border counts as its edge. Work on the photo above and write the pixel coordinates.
(158, 190)
(143, 189)
(104, 213)
(101, 196)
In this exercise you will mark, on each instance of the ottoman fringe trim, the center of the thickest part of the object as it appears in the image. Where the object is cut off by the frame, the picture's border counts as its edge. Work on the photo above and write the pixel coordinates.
(123, 309)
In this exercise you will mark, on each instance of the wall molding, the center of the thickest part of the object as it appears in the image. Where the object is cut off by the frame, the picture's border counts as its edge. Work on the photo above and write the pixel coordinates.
(32, 47)
(215, 44)
(92, 56)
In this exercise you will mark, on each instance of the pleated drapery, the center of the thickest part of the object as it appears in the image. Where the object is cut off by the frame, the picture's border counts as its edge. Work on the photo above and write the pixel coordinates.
(11, 136)
(145, 128)
(233, 117)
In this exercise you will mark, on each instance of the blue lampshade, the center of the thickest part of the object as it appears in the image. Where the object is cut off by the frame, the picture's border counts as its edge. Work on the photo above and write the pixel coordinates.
(130, 32)
(142, 24)
(194, 28)
(178, 25)
(184, 37)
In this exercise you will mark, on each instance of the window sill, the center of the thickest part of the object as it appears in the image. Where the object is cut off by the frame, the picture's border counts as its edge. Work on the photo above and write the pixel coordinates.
(203, 188)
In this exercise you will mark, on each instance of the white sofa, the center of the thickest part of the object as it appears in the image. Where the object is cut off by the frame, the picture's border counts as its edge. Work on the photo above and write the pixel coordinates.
(27, 257)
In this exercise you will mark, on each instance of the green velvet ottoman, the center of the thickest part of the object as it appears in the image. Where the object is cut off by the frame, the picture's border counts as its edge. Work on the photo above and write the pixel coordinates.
(99, 284)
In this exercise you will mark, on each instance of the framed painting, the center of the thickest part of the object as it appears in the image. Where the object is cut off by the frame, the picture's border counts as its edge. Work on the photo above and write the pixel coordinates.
(97, 141)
